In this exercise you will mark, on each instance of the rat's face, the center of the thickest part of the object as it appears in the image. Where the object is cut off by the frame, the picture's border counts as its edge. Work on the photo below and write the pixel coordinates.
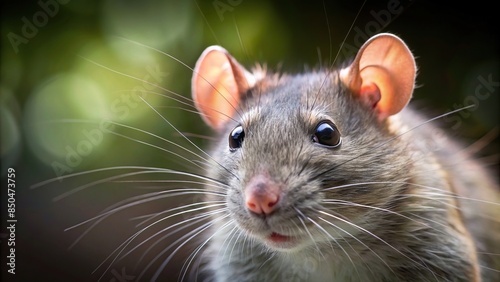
(308, 159)
(309, 165)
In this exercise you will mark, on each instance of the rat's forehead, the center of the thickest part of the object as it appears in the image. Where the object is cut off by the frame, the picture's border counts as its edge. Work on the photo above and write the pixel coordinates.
(312, 116)
(280, 115)
(302, 99)
(250, 116)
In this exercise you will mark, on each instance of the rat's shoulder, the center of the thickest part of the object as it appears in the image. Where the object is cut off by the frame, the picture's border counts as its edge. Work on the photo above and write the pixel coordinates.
(413, 119)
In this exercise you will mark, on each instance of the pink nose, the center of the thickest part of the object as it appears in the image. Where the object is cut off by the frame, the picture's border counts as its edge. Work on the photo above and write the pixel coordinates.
(262, 195)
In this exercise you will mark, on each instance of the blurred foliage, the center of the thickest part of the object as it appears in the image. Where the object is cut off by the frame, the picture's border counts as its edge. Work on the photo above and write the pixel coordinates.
(69, 68)
(66, 61)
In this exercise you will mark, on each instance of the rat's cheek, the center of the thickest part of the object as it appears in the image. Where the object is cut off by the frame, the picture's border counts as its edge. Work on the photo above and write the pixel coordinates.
(235, 206)
(345, 205)
(234, 198)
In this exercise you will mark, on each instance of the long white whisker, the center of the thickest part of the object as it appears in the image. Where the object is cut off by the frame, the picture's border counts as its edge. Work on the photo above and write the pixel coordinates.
(132, 77)
(348, 203)
(307, 230)
(198, 249)
(489, 268)
(127, 242)
(203, 216)
(112, 178)
(151, 217)
(334, 240)
(98, 219)
(187, 139)
(134, 201)
(234, 244)
(447, 193)
(347, 35)
(354, 237)
(192, 70)
(225, 243)
(187, 101)
(48, 181)
(395, 137)
(165, 262)
(133, 237)
(156, 147)
(376, 237)
(161, 138)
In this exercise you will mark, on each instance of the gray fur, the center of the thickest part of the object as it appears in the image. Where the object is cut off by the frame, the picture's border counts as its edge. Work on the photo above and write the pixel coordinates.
(410, 236)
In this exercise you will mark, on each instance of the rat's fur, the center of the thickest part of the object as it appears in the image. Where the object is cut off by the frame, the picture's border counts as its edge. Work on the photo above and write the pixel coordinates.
(413, 216)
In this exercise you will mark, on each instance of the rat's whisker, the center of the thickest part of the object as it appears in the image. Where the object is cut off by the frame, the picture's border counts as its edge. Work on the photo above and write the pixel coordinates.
(98, 219)
(120, 249)
(227, 243)
(438, 190)
(395, 137)
(205, 216)
(330, 69)
(124, 175)
(185, 241)
(82, 173)
(157, 147)
(131, 76)
(231, 103)
(301, 215)
(332, 239)
(353, 204)
(355, 238)
(179, 98)
(204, 203)
(237, 242)
(187, 139)
(198, 249)
(186, 223)
(163, 139)
(421, 263)
(139, 200)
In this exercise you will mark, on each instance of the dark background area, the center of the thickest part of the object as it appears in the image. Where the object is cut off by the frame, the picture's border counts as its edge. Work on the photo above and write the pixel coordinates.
(63, 81)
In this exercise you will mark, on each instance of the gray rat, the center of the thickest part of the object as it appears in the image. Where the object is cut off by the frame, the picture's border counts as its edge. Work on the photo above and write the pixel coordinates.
(331, 176)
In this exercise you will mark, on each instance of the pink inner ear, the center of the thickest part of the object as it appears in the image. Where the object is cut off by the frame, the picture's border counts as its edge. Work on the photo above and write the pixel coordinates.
(371, 94)
(380, 90)
(382, 74)
(215, 91)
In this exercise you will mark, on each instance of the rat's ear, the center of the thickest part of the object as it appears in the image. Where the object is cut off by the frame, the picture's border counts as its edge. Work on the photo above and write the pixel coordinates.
(217, 85)
(382, 74)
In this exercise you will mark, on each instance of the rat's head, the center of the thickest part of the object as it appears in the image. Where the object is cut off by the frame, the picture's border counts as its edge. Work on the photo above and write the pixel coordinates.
(307, 159)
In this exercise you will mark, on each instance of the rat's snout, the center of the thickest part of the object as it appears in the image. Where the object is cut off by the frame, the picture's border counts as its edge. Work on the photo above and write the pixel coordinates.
(262, 195)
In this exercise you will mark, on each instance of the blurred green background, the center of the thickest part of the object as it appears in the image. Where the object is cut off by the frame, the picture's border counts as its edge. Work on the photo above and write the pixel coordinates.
(70, 68)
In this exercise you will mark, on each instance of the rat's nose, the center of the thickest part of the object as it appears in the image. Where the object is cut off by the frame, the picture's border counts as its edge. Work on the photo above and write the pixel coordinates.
(262, 195)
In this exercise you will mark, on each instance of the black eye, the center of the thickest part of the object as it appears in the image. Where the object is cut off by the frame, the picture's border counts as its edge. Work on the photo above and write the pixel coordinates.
(327, 134)
(236, 138)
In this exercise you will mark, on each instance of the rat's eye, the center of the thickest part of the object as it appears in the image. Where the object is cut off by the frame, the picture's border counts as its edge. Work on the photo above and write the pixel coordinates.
(327, 134)
(236, 138)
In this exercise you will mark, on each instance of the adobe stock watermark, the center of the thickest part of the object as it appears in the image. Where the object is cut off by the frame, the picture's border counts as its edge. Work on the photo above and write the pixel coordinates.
(380, 20)
(484, 88)
(222, 6)
(121, 108)
(30, 27)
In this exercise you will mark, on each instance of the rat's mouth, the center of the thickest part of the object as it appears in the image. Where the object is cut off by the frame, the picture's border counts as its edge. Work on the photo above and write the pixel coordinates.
(282, 242)
(278, 238)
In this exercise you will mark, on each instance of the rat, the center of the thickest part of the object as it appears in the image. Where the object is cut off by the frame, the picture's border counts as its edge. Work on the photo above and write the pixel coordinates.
(331, 175)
